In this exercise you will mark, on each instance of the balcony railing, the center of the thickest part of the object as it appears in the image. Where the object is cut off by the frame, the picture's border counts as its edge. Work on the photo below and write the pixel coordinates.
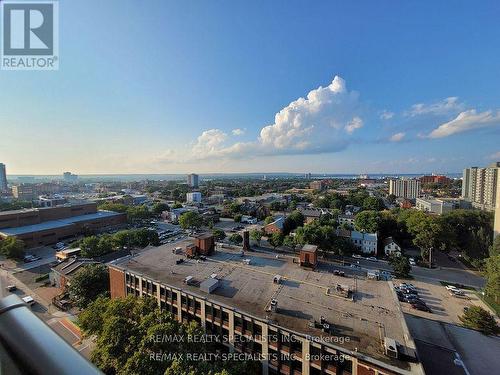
(32, 346)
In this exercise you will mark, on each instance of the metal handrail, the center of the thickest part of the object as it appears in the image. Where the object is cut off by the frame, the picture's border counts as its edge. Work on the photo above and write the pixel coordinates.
(33, 346)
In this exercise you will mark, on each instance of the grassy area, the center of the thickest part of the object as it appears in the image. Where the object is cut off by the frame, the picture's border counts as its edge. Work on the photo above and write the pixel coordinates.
(460, 286)
(490, 302)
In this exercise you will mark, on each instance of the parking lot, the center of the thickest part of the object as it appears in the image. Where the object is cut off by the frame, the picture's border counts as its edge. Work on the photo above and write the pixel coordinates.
(444, 307)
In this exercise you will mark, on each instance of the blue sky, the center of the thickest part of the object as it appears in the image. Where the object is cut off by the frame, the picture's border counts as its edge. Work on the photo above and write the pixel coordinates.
(180, 86)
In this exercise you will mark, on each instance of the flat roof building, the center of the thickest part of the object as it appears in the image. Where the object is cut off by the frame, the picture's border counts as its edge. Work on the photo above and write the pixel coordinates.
(45, 226)
(272, 307)
(436, 206)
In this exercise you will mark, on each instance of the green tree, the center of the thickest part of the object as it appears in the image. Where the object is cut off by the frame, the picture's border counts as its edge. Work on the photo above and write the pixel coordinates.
(373, 203)
(89, 282)
(219, 234)
(268, 220)
(293, 221)
(158, 208)
(144, 237)
(138, 213)
(492, 274)
(400, 265)
(495, 247)
(190, 220)
(128, 330)
(12, 247)
(235, 238)
(290, 242)
(237, 218)
(479, 319)
(276, 239)
(256, 235)
(367, 221)
(94, 246)
(111, 206)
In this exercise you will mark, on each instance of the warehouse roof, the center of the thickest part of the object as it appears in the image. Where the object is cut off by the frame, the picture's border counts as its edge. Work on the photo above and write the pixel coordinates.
(54, 224)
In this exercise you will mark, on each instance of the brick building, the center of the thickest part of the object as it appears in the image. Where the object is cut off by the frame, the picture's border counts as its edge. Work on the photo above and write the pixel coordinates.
(45, 226)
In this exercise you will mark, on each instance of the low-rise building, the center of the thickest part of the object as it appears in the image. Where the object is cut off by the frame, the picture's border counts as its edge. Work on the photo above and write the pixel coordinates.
(346, 220)
(391, 247)
(193, 197)
(318, 185)
(271, 308)
(248, 219)
(311, 213)
(276, 226)
(46, 226)
(366, 242)
(436, 206)
(25, 192)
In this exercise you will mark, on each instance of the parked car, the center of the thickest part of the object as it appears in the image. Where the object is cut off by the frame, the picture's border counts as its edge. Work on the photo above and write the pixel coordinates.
(357, 256)
(30, 258)
(420, 307)
(11, 288)
(29, 300)
(407, 286)
(373, 259)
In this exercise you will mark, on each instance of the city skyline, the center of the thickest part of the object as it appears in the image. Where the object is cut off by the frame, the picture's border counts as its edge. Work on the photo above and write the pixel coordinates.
(350, 96)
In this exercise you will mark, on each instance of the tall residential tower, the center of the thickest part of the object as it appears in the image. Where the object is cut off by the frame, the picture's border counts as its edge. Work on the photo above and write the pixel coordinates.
(405, 188)
(480, 186)
(192, 180)
(3, 178)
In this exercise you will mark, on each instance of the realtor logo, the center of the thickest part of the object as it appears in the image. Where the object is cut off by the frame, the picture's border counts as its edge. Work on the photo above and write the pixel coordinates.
(29, 35)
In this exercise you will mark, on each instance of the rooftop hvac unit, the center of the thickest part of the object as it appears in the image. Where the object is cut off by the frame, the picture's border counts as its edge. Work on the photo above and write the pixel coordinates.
(213, 276)
(188, 280)
(277, 279)
(274, 305)
(247, 261)
(391, 347)
(209, 285)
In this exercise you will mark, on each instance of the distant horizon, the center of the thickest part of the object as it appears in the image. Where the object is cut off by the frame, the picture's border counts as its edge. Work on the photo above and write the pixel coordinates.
(230, 174)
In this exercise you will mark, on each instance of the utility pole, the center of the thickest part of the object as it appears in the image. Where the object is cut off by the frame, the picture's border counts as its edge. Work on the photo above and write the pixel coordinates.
(430, 257)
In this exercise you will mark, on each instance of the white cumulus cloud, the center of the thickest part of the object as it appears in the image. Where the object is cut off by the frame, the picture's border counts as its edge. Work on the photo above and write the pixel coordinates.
(466, 121)
(355, 123)
(386, 115)
(238, 131)
(398, 137)
(445, 107)
(321, 122)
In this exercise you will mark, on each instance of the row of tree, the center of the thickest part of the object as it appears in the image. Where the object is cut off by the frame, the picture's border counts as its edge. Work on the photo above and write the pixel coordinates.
(133, 336)
(95, 246)
(134, 213)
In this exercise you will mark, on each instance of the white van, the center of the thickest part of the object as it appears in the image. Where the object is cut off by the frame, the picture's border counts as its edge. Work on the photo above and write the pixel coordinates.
(29, 300)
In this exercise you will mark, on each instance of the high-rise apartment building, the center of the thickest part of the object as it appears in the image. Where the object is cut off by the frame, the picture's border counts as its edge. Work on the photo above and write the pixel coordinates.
(70, 177)
(192, 180)
(405, 188)
(480, 186)
(3, 179)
